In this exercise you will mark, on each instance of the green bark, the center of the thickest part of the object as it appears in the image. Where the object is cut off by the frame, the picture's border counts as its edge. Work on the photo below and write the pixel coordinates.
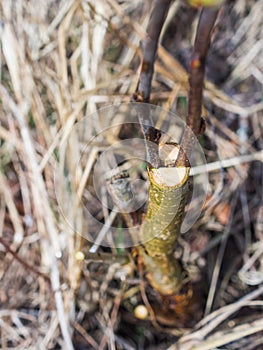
(160, 230)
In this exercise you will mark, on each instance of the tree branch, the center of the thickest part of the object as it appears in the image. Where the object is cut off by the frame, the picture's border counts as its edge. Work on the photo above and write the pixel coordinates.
(22, 261)
(196, 81)
(197, 67)
(149, 49)
(143, 90)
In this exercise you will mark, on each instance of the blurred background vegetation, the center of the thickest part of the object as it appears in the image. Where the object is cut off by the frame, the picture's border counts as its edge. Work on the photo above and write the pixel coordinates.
(63, 60)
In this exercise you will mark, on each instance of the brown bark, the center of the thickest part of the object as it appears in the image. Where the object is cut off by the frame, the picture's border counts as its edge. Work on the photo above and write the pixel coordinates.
(149, 49)
(194, 122)
(143, 90)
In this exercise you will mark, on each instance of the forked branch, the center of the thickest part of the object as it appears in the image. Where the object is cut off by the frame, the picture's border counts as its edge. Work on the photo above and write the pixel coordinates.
(169, 181)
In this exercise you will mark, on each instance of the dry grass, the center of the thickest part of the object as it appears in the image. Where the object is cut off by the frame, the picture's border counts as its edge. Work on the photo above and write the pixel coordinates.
(60, 61)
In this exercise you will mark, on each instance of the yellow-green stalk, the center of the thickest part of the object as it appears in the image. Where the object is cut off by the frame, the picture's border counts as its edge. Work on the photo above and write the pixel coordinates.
(205, 3)
(167, 198)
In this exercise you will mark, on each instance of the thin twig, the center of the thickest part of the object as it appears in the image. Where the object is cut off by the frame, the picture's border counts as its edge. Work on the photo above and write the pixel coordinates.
(13, 212)
(196, 81)
(143, 90)
(149, 48)
(227, 163)
(105, 229)
(210, 322)
(85, 335)
(197, 67)
(217, 268)
(22, 261)
(239, 332)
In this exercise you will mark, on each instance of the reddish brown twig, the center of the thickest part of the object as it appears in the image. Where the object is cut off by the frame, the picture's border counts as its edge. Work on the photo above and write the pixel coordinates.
(197, 67)
(149, 48)
(22, 261)
(143, 90)
(85, 335)
(196, 80)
